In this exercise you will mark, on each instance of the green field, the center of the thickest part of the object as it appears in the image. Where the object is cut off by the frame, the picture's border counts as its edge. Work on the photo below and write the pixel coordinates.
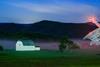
(48, 59)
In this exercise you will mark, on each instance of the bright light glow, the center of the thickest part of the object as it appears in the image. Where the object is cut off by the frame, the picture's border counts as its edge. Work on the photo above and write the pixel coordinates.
(92, 19)
(21, 47)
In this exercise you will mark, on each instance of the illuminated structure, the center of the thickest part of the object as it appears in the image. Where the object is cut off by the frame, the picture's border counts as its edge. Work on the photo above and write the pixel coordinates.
(94, 36)
(26, 45)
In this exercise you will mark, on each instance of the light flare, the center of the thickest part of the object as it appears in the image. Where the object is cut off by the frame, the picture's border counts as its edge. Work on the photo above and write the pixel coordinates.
(93, 20)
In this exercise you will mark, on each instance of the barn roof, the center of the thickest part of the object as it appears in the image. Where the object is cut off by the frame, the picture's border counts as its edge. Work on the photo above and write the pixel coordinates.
(28, 42)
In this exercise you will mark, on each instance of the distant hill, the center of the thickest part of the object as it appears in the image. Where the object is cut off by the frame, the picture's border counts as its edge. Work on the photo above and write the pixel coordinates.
(46, 28)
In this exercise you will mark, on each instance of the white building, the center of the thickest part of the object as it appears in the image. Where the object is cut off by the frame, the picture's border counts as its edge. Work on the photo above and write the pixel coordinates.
(94, 36)
(26, 45)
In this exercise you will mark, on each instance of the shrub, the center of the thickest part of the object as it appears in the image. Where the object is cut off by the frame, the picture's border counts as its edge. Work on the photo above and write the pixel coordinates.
(62, 47)
(74, 46)
(1, 48)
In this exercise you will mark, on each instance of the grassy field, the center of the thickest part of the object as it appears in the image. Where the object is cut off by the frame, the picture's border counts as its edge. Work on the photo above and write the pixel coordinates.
(48, 59)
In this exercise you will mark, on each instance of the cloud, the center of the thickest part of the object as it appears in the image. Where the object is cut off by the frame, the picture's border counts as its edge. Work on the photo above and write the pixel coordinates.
(36, 7)
(57, 10)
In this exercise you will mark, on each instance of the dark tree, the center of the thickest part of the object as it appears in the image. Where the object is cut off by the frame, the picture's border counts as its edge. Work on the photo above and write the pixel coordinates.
(1, 48)
(66, 43)
(63, 44)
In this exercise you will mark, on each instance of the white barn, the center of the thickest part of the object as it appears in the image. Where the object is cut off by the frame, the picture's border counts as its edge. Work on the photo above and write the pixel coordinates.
(26, 45)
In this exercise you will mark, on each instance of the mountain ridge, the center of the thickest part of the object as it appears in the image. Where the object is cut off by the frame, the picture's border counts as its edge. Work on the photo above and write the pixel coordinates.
(46, 27)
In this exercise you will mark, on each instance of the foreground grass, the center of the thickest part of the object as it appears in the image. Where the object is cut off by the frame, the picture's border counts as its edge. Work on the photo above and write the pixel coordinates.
(48, 59)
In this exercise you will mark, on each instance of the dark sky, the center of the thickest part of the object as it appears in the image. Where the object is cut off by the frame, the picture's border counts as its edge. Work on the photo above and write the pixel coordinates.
(30, 11)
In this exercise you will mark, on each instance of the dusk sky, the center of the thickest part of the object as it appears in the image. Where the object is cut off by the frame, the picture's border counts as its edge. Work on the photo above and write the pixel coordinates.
(30, 11)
